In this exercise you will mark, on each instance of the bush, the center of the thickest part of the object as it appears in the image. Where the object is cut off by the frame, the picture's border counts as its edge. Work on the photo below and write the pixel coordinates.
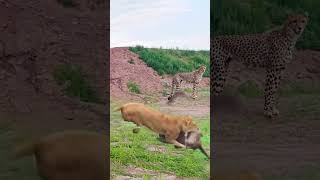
(75, 82)
(133, 87)
(250, 89)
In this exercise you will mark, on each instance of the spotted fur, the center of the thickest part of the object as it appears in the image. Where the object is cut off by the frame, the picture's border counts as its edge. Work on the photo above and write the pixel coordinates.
(193, 77)
(270, 50)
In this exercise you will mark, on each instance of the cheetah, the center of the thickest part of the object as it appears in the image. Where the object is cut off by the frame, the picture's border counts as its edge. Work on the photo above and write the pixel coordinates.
(270, 50)
(193, 77)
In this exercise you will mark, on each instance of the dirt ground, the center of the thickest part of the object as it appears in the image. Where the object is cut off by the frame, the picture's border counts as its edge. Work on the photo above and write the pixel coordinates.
(286, 147)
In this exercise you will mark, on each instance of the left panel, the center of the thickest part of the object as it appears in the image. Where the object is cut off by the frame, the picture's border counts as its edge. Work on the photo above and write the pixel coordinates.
(159, 89)
(53, 57)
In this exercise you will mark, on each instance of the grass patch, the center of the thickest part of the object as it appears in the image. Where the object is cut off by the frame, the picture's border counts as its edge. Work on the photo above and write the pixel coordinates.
(75, 82)
(255, 16)
(250, 89)
(172, 61)
(133, 87)
(131, 149)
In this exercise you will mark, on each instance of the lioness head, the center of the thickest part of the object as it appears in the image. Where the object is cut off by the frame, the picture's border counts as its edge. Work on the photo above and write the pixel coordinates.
(188, 125)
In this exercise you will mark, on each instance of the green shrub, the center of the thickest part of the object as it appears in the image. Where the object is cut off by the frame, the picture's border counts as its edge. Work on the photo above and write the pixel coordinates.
(133, 87)
(172, 61)
(250, 89)
(75, 82)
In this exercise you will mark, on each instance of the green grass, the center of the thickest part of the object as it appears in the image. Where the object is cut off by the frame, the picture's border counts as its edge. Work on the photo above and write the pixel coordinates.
(131, 149)
(133, 87)
(75, 82)
(255, 16)
(250, 89)
(171, 61)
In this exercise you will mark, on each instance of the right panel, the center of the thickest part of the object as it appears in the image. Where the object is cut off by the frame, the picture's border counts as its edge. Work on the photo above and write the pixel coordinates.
(265, 84)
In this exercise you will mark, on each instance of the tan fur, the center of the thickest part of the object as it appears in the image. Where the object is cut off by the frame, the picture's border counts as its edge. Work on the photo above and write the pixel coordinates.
(245, 175)
(169, 126)
(69, 155)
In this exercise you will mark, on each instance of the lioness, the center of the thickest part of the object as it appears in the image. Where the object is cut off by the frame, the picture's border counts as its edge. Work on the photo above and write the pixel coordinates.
(167, 125)
(68, 155)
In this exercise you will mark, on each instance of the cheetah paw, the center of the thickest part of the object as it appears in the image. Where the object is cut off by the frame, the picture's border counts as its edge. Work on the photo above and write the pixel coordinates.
(271, 114)
(275, 112)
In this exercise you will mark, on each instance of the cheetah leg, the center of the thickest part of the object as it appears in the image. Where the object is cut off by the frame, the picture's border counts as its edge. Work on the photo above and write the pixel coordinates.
(178, 84)
(194, 89)
(272, 84)
(172, 90)
(219, 73)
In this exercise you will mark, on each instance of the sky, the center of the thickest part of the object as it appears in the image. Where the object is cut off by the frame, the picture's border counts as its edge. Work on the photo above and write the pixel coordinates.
(183, 24)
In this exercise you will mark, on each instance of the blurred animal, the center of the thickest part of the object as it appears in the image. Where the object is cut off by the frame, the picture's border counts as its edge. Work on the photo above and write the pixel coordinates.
(175, 96)
(192, 140)
(69, 155)
(169, 126)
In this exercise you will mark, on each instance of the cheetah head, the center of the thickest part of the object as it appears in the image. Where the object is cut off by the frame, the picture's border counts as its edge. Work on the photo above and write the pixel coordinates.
(202, 68)
(296, 23)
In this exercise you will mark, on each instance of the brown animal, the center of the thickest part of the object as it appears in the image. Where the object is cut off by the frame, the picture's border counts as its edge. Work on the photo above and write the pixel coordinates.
(169, 126)
(68, 155)
(244, 175)
(175, 96)
(192, 140)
